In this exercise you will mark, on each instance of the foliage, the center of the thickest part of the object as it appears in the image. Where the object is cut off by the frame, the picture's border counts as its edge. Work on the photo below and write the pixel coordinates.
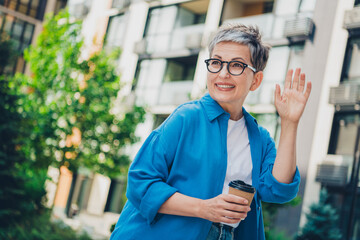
(65, 113)
(269, 213)
(7, 52)
(321, 221)
(72, 101)
(22, 215)
(39, 227)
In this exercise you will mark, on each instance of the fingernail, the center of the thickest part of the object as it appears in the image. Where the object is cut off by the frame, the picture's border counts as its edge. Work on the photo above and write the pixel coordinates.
(245, 201)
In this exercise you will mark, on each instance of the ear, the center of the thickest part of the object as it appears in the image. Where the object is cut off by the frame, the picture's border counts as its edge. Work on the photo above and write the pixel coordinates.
(257, 81)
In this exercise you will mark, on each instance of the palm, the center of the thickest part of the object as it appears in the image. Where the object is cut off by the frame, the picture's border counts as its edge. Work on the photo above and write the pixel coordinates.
(291, 103)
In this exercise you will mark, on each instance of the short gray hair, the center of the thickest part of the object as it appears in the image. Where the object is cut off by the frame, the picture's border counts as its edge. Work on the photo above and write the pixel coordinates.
(246, 35)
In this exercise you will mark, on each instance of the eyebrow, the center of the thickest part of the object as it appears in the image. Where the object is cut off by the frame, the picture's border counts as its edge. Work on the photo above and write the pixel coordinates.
(237, 58)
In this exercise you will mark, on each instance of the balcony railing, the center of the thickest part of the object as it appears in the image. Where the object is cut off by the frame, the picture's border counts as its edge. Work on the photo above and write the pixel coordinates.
(271, 26)
(169, 93)
(176, 40)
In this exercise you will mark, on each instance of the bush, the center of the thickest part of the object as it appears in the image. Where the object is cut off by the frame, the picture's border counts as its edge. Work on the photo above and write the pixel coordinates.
(40, 227)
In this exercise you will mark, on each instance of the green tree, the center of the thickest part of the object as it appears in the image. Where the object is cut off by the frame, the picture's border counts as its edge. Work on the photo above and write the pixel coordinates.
(72, 101)
(321, 221)
(22, 215)
(270, 211)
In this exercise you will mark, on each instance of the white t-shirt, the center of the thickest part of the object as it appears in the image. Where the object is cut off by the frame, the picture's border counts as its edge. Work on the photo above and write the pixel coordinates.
(239, 163)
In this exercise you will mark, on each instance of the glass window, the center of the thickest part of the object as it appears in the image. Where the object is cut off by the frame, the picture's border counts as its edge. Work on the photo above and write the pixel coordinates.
(159, 27)
(286, 7)
(180, 69)
(116, 31)
(159, 119)
(116, 197)
(307, 5)
(120, 3)
(296, 56)
(274, 72)
(271, 122)
(352, 61)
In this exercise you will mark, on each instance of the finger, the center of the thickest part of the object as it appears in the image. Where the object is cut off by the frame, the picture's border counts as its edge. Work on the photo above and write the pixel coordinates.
(229, 220)
(296, 79)
(234, 215)
(235, 199)
(288, 79)
(302, 83)
(308, 90)
(277, 92)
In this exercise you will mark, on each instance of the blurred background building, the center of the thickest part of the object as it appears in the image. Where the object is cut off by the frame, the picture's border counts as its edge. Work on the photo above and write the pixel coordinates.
(164, 45)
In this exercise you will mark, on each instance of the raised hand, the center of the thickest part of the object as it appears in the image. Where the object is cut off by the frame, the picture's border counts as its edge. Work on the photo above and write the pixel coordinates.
(291, 103)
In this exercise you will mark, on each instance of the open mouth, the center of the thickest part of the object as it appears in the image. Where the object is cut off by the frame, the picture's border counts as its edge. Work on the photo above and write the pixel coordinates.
(225, 86)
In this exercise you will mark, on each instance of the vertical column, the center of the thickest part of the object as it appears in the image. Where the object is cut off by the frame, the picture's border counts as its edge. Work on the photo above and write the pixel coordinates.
(211, 24)
(323, 64)
(134, 33)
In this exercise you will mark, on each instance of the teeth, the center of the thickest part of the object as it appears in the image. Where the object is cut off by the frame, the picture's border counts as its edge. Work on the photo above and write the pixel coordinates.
(225, 86)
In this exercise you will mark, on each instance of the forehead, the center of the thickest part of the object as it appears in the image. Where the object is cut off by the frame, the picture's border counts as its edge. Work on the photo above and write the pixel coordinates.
(231, 50)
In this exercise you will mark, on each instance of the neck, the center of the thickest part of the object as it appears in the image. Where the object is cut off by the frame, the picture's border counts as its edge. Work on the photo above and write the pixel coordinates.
(236, 113)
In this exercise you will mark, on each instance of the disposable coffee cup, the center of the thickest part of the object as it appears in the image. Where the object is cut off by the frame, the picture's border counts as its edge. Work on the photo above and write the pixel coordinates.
(241, 189)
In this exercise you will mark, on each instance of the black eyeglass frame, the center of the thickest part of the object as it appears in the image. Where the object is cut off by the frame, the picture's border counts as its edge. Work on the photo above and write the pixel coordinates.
(228, 64)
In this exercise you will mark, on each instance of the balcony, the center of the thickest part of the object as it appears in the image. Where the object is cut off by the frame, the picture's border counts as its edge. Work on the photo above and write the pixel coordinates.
(168, 93)
(184, 38)
(175, 93)
(352, 19)
(335, 170)
(278, 27)
(345, 94)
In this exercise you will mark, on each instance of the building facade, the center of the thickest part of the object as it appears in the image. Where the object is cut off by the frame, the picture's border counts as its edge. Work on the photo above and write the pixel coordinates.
(164, 45)
(22, 21)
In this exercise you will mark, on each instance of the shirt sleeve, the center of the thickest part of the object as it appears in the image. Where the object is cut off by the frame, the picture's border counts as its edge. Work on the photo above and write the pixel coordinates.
(147, 189)
(270, 189)
(147, 186)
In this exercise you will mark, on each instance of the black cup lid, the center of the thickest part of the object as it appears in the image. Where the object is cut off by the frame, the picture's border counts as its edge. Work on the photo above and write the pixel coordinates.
(238, 184)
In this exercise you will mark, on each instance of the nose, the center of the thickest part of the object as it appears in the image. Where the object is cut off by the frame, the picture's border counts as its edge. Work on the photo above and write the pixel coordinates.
(224, 73)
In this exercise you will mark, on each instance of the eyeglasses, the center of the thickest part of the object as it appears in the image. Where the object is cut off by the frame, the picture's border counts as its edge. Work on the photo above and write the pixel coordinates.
(235, 68)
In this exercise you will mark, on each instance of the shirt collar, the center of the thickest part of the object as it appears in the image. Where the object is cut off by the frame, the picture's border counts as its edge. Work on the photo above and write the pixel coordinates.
(214, 110)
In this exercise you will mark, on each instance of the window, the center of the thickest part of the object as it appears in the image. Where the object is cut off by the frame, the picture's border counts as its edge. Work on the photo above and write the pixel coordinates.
(271, 122)
(343, 142)
(180, 69)
(351, 71)
(286, 7)
(116, 197)
(120, 3)
(33, 8)
(116, 31)
(159, 119)
(234, 9)
(21, 33)
(168, 27)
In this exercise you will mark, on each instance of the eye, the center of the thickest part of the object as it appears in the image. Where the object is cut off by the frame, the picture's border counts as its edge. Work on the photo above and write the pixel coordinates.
(237, 65)
(215, 63)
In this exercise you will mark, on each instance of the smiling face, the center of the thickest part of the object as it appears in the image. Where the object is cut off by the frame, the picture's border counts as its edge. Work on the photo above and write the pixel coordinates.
(228, 90)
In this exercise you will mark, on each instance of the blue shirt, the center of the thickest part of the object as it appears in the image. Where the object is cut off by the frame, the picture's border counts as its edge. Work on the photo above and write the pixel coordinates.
(188, 154)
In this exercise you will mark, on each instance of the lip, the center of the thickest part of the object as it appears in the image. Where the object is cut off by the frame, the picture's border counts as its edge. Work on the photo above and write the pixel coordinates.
(224, 86)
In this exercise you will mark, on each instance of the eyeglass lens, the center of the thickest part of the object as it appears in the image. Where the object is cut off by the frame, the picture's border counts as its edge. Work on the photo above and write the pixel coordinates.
(234, 67)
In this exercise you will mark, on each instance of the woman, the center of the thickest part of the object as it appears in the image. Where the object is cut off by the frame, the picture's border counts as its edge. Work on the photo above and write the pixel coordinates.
(178, 182)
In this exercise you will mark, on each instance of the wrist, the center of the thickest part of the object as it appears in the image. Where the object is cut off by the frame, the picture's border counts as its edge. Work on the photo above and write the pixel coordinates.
(199, 206)
(288, 124)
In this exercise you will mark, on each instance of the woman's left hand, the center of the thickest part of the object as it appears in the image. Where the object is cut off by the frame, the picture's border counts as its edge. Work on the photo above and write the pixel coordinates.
(291, 103)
